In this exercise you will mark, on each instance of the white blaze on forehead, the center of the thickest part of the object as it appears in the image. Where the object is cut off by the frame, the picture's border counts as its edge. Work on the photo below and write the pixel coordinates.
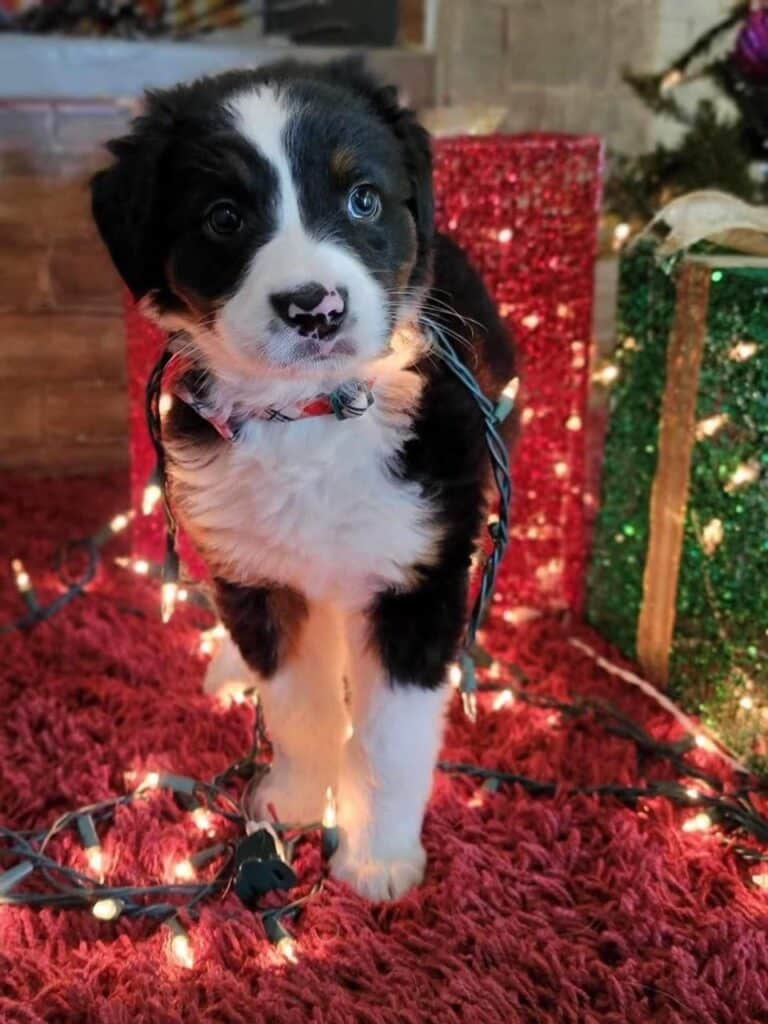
(296, 254)
(262, 116)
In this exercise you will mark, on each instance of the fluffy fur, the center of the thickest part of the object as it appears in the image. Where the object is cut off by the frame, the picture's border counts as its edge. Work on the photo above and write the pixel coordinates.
(281, 221)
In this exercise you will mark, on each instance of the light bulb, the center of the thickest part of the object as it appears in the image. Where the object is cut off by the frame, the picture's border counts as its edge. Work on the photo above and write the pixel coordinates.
(149, 499)
(21, 575)
(209, 637)
(531, 321)
(573, 423)
(671, 80)
(184, 871)
(119, 522)
(168, 594)
(501, 700)
(141, 566)
(202, 819)
(698, 823)
(712, 536)
(108, 909)
(469, 703)
(606, 375)
(742, 351)
(511, 389)
(711, 425)
(329, 812)
(704, 743)
(151, 781)
(743, 475)
(620, 234)
(95, 857)
(164, 403)
(288, 949)
(454, 674)
(505, 235)
(692, 793)
(181, 950)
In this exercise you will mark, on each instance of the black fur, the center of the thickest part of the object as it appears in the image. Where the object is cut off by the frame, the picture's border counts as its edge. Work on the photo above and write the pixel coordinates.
(184, 152)
(265, 621)
(418, 632)
(152, 227)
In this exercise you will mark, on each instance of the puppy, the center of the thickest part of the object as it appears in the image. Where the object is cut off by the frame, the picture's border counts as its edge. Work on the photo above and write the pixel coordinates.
(330, 468)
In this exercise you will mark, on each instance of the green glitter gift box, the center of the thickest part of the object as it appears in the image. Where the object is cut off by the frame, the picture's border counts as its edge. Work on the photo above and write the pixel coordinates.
(679, 576)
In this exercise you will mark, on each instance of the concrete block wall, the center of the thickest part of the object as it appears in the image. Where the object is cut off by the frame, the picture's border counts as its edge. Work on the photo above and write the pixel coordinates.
(63, 402)
(678, 25)
(557, 64)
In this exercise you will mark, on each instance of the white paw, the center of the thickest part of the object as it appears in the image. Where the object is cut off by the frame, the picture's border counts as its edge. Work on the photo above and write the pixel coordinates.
(297, 795)
(380, 878)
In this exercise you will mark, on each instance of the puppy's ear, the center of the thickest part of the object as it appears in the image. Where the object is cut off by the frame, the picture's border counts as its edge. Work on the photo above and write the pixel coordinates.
(417, 152)
(413, 138)
(124, 202)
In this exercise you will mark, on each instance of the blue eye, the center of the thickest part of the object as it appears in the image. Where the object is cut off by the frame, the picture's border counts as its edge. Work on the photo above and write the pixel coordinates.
(364, 203)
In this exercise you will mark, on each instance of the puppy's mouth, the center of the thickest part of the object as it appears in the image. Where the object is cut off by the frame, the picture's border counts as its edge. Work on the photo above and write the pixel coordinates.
(340, 348)
(311, 349)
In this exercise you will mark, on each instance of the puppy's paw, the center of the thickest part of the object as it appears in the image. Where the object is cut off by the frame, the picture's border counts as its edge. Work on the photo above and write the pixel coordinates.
(380, 878)
(296, 794)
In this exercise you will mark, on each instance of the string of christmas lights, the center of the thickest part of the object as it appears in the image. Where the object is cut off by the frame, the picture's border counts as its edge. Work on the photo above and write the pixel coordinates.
(258, 861)
(73, 586)
(254, 864)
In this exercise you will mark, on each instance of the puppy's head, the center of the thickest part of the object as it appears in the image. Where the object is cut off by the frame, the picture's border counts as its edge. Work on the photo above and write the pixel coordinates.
(282, 217)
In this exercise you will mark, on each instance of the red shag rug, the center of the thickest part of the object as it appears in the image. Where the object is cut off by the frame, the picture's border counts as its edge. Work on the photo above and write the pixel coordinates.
(533, 910)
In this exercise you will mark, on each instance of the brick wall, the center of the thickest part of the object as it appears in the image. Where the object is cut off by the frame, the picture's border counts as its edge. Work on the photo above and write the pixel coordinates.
(62, 355)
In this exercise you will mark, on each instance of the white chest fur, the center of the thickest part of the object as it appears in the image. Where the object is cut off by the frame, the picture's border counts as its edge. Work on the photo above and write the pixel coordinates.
(314, 504)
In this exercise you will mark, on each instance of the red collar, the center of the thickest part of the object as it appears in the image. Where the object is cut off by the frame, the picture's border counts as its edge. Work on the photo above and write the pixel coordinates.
(349, 400)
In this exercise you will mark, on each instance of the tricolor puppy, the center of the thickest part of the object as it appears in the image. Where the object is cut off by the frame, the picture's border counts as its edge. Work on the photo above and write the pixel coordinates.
(331, 469)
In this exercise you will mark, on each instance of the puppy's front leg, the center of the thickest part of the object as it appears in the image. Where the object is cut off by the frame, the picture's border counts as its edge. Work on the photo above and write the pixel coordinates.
(399, 654)
(295, 648)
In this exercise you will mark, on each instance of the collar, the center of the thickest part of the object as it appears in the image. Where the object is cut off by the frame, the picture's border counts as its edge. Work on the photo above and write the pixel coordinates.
(349, 400)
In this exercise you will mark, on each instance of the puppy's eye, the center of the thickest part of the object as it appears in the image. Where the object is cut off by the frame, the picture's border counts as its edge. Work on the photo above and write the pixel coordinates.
(224, 219)
(364, 203)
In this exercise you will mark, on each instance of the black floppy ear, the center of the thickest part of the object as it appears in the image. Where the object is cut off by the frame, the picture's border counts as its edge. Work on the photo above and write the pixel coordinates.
(123, 202)
(412, 136)
(417, 151)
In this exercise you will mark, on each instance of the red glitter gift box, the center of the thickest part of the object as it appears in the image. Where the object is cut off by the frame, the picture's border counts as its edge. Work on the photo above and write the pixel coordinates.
(524, 207)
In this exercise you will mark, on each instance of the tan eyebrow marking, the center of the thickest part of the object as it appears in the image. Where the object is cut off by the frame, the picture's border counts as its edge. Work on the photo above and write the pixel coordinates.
(343, 161)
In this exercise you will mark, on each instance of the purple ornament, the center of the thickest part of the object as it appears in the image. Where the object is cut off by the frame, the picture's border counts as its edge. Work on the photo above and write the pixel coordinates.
(751, 52)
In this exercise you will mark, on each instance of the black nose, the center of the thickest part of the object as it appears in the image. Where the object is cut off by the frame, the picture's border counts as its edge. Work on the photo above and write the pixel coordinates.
(312, 310)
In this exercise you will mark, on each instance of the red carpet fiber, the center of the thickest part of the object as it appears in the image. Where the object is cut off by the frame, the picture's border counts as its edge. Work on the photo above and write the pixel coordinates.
(533, 910)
